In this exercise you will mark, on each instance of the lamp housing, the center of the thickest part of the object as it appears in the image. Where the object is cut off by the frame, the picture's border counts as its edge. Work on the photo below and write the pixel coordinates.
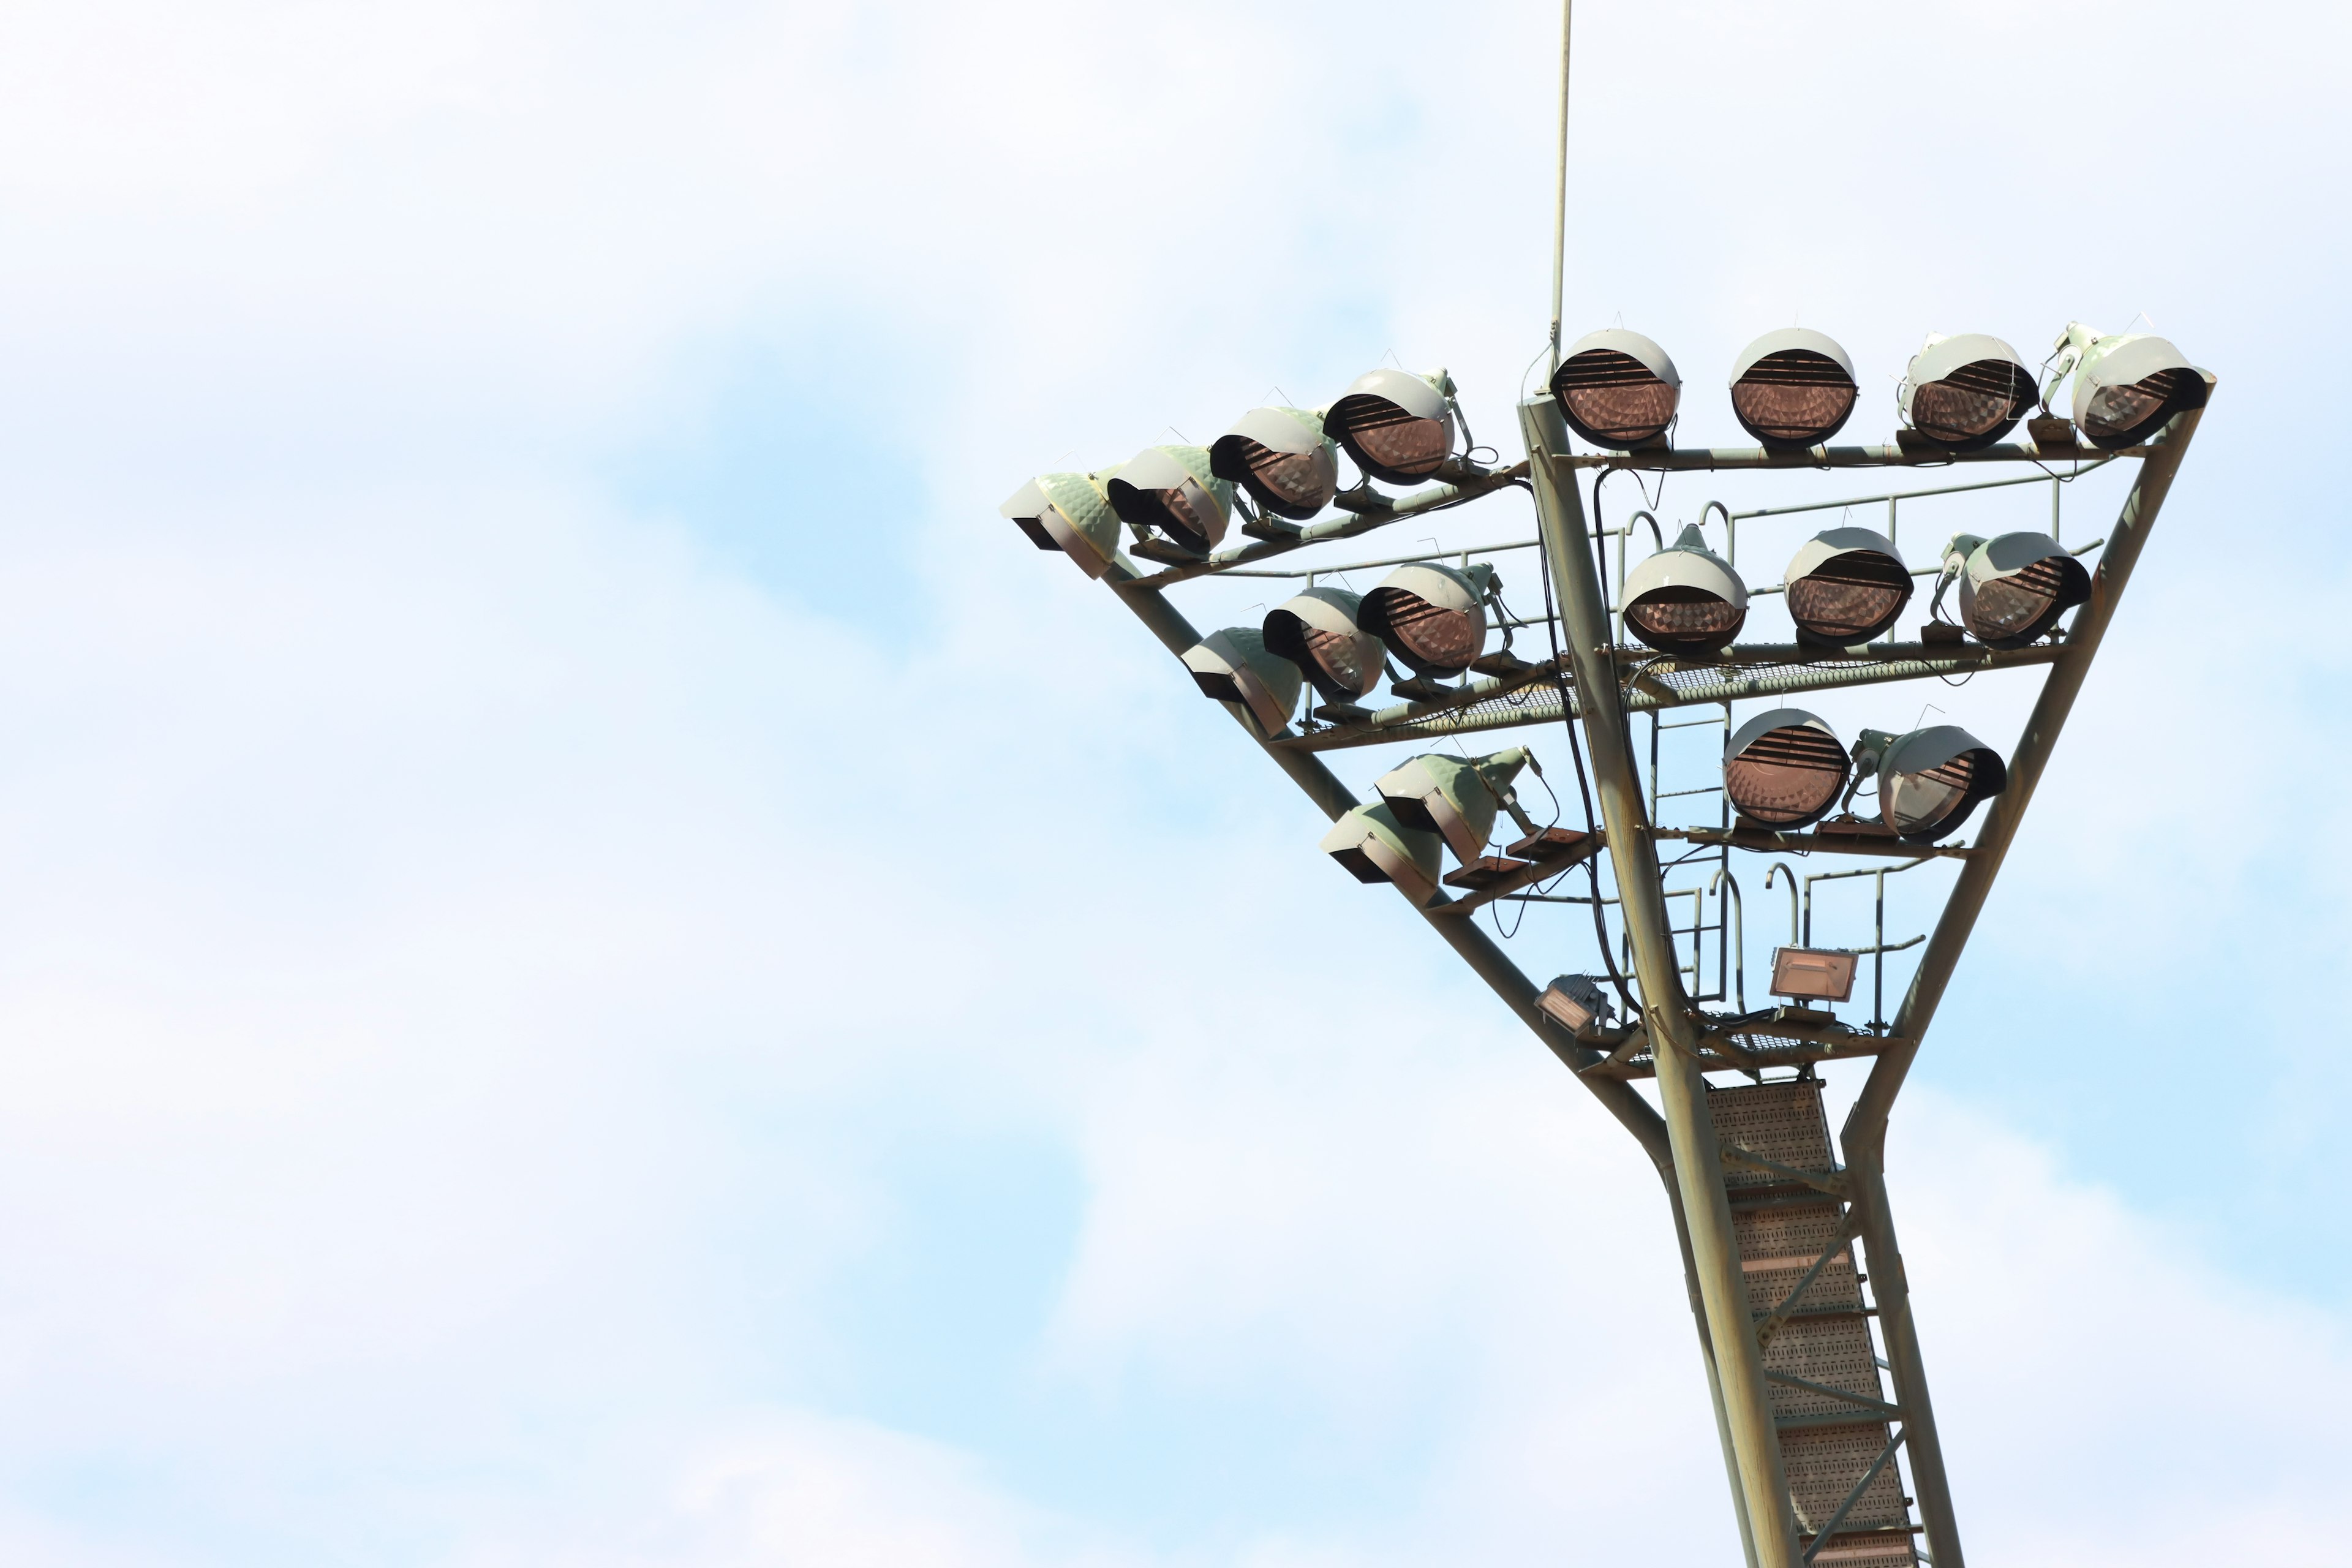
(1686, 598)
(2013, 586)
(1929, 779)
(1576, 1003)
(1845, 586)
(1785, 769)
(1233, 665)
(1321, 632)
(1375, 848)
(1965, 392)
(1173, 490)
(1813, 973)
(1282, 457)
(1398, 428)
(2128, 385)
(1792, 389)
(1432, 617)
(1454, 798)
(1617, 389)
(1071, 513)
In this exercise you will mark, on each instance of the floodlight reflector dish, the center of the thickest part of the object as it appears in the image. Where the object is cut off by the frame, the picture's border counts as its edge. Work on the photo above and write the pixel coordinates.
(1453, 797)
(1576, 1002)
(1846, 585)
(1398, 428)
(1282, 457)
(1686, 598)
(2127, 386)
(1930, 780)
(1432, 617)
(1785, 768)
(1072, 513)
(1233, 665)
(1617, 389)
(1375, 848)
(1173, 490)
(2014, 587)
(1321, 633)
(1812, 973)
(1966, 391)
(1792, 389)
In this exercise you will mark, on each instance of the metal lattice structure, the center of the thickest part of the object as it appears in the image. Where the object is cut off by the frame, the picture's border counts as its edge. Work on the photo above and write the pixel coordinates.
(1767, 1217)
(1795, 1277)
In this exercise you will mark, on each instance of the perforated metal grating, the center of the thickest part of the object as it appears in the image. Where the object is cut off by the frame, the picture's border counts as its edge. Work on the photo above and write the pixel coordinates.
(1782, 1226)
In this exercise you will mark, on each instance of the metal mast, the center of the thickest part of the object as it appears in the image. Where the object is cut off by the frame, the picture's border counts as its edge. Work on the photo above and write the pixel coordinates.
(1766, 1220)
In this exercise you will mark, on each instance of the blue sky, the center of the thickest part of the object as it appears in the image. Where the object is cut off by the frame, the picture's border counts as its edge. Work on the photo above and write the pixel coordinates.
(601, 965)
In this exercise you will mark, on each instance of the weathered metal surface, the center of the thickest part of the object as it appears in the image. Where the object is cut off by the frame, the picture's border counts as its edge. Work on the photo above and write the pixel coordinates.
(1805, 1292)
(1681, 1090)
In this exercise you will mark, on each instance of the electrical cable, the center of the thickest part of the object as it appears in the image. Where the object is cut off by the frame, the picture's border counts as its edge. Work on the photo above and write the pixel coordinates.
(1583, 783)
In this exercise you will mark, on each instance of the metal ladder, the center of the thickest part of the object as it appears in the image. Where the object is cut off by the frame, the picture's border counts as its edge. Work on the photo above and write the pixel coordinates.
(1838, 1434)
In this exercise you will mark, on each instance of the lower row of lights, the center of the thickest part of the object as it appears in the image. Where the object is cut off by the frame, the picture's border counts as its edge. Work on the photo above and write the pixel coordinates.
(1782, 770)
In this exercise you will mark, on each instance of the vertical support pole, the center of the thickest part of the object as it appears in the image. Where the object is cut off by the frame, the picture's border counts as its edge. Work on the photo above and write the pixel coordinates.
(1878, 958)
(1763, 1485)
(1560, 209)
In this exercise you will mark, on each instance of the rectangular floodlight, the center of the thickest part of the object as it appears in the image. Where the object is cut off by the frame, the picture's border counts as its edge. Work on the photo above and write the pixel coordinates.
(1812, 973)
(1574, 1001)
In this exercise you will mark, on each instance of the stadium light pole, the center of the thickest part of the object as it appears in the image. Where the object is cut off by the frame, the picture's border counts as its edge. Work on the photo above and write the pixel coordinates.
(1765, 1218)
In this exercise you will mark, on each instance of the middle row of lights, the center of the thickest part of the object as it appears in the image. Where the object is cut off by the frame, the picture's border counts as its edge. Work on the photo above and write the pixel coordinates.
(1843, 587)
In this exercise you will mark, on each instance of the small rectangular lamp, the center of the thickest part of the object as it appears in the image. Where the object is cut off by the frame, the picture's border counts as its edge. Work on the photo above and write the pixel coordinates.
(1573, 1001)
(1812, 973)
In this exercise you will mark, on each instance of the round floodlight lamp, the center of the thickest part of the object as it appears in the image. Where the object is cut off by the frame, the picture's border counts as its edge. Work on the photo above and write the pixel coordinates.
(1792, 389)
(1784, 768)
(1965, 393)
(1686, 598)
(1233, 665)
(1929, 779)
(1617, 389)
(1845, 586)
(1282, 457)
(2126, 387)
(1375, 848)
(1454, 797)
(1432, 617)
(1320, 633)
(1173, 490)
(2013, 588)
(1071, 513)
(1398, 428)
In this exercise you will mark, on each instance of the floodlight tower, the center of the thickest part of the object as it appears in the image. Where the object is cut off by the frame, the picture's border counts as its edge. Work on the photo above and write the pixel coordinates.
(1767, 1217)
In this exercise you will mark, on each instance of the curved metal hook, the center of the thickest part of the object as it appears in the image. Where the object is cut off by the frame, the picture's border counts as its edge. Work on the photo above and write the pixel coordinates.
(1730, 530)
(1777, 868)
(1739, 938)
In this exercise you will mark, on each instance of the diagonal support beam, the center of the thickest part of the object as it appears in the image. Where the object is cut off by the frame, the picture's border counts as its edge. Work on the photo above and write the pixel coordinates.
(1865, 1136)
(1822, 1537)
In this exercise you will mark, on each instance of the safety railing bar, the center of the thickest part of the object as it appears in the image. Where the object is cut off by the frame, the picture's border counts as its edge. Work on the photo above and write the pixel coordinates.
(1911, 495)
(1357, 518)
(1691, 459)
(1391, 561)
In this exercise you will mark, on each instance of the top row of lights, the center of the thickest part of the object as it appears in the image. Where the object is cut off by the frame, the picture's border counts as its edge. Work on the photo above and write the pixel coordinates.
(1794, 389)
(1791, 390)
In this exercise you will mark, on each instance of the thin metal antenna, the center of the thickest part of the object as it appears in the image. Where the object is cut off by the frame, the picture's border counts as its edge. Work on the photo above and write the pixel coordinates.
(1560, 209)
